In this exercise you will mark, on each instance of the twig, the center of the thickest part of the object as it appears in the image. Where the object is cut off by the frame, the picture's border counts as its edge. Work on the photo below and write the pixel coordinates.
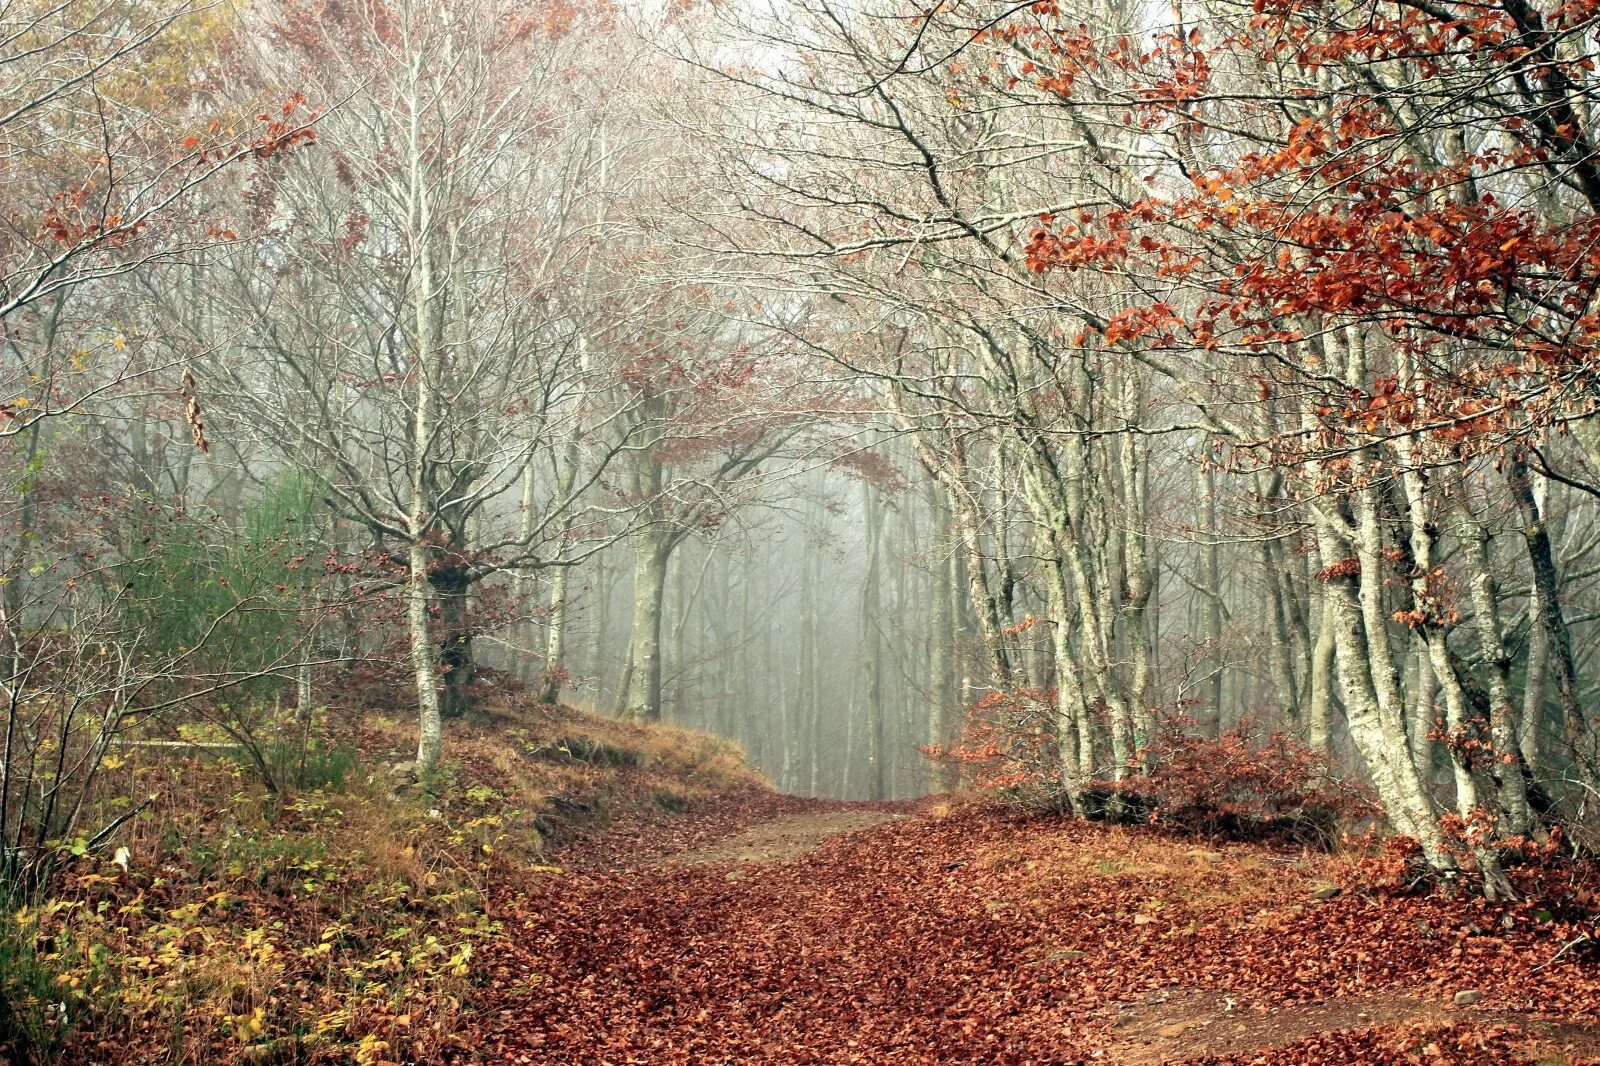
(1584, 940)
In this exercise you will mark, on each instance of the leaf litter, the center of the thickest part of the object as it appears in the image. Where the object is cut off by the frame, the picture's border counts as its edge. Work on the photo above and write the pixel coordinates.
(915, 933)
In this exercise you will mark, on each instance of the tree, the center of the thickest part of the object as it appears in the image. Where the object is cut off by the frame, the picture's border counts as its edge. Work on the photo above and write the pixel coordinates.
(1071, 246)
(412, 338)
(100, 177)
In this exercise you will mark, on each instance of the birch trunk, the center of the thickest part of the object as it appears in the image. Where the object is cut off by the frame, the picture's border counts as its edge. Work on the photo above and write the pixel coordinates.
(430, 739)
(643, 701)
(555, 648)
(1353, 586)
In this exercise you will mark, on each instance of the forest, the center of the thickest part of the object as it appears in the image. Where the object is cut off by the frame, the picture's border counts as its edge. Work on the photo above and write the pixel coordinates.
(799, 531)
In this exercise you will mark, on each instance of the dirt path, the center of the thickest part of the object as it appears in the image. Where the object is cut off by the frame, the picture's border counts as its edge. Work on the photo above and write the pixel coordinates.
(784, 837)
(1178, 1025)
(849, 935)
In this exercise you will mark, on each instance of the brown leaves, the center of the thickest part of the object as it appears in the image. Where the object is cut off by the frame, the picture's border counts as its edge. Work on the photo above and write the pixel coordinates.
(191, 411)
(981, 937)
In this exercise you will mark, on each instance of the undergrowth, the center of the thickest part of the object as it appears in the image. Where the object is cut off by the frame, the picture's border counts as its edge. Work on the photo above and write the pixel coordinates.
(32, 1019)
(1245, 783)
(338, 920)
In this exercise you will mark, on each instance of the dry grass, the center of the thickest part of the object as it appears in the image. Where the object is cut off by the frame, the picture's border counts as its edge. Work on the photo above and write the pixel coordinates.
(689, 755)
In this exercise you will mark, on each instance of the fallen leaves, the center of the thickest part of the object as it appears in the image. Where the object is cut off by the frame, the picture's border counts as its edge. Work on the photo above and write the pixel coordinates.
(982, 937)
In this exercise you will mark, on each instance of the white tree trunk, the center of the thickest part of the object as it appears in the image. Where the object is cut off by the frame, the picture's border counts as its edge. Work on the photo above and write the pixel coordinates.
(555, 648)
(643, 700)
(430, 740)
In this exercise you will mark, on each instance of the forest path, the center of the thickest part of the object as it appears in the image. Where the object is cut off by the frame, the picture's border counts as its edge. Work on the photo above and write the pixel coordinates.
(784, 837)
(808, 932)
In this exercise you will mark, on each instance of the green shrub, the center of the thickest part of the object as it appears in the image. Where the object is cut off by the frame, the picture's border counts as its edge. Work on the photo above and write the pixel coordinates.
(230, 595)
(312, 766)
(282, 757)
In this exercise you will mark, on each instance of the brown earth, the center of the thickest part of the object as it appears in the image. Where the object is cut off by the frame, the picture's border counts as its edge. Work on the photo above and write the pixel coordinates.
(784, 837)
(1180, 1024)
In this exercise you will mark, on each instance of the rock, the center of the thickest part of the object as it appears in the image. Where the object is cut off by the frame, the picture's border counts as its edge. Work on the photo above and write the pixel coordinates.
(1468, 997)
(402, 775)
(1327, 893)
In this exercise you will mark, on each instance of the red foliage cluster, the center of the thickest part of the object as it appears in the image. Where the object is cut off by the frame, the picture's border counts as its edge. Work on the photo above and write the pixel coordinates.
(1244, 782)
(1005, 743)
(1247, 782)
(1325, 223)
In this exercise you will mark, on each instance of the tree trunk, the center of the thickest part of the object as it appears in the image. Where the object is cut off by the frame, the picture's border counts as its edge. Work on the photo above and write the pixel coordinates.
(649, 585)
(1320, 690)
(872, 645)
(430, 738)
(1213, 556)
(1282, 657)
(555, 647)
(942, 636)
(1074, 730)
(1507, 775)
(1547, 616)
(1354, 586)
(303, 695)
(457, 667)
(1138, 575)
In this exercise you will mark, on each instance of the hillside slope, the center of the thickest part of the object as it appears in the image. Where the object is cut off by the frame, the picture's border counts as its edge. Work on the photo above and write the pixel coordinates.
(343, 921)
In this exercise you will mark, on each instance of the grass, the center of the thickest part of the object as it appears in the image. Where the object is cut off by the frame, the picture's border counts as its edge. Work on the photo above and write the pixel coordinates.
(684, 754)
(31, 1019)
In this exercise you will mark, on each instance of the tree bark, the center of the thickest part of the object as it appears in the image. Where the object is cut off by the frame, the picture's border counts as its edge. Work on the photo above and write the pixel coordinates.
(643, 702)
(457, 666)
(430, 734)
(555, 648)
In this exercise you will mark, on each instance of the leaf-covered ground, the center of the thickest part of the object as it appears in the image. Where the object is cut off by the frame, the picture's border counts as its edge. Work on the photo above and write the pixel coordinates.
(783, 931)
(340, 922)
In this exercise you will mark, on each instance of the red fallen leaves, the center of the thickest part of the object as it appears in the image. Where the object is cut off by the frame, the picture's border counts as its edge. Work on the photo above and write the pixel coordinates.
(981, 938)
(644, 832)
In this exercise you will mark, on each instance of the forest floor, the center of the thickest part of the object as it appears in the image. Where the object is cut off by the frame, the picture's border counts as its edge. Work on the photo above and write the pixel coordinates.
(766, 929)
(569, 888)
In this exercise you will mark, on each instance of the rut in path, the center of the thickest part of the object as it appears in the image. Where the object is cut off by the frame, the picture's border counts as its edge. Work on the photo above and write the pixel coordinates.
(844, 934)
